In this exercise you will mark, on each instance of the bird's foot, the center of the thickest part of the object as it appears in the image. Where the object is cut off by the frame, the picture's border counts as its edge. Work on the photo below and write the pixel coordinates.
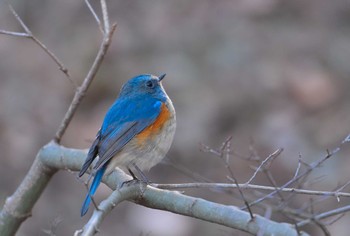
(134, 181)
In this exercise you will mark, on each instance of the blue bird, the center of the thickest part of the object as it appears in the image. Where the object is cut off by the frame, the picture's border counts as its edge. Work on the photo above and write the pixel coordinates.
(137, 131)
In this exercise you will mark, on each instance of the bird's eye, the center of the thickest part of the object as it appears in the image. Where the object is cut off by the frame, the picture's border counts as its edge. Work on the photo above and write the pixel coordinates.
(150, 84)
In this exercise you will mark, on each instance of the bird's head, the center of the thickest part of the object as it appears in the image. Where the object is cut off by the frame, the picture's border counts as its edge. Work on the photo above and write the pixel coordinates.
(144, 85)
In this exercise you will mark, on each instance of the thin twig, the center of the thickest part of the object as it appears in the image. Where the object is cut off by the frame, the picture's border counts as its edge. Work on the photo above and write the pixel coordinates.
(273, 182)
(29, 34)
(341, 188)
(26, 29)
(334, 220)
(94, 15)
(224, 155)
(17, 34)
(53, 226)
(105, 16)
(300, 184)
(322, 227)
(298, 167)
(251, 186)
(80, 93)
(324, 215)
(265, 168)
(268, 160)
(302, 175)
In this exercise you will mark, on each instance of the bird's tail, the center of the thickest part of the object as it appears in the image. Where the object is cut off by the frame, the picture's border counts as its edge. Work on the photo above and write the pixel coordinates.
(95, 183)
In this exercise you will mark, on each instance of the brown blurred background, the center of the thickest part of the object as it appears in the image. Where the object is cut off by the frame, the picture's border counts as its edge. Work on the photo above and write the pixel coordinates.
(275, 71)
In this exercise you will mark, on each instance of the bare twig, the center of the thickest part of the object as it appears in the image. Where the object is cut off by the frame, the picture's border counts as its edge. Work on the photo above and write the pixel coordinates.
(224, 154)
(95, 15)
(53, 226)
(29, 34)
(300, 176)
(234, 180)
(265, 168)
(252, 186)
(323, 228)
(105, 16)
(17, 34)
(265, 162)
(340, 189)
(80, 93)
(346, 140)
(334, 220)
(324, 215)
(298, 167)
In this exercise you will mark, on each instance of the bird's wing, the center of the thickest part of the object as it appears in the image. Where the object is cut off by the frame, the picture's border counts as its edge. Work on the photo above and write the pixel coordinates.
(91, 154)
(118, 134)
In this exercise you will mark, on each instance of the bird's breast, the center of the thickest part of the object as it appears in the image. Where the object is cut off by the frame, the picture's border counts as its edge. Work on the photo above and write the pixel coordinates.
(155, 128)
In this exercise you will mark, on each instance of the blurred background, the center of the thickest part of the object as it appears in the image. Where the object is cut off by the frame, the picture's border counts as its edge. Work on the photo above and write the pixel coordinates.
(271, 73)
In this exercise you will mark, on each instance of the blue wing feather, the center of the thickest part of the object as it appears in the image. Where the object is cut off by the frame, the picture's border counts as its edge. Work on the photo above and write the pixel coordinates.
(91, 154)
(95, 183)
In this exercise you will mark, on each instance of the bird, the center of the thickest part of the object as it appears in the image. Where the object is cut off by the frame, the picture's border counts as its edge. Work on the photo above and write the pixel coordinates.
(136, 133)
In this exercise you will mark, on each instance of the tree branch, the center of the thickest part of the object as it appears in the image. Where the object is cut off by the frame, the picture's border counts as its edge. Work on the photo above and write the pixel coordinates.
(298, 176)
(267, 161)
(252, 186)
(125, 193)
(80, 92)
(324, 215)
(94, 15)
(60, 157)
(29, 34)
(18, 207)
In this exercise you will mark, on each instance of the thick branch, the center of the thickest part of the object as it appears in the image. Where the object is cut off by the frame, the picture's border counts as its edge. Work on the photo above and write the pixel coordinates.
(104, 208)
(18, 207)
(56, 156)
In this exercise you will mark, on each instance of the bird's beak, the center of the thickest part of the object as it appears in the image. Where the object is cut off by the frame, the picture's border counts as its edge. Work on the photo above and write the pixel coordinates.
(161, 77)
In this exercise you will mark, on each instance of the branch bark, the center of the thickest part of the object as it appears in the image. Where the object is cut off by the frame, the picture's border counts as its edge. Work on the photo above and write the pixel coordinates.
(18, 207)
(56, 156)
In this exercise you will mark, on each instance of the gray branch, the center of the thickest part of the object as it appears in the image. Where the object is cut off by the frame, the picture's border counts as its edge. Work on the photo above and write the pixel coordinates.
(18, 207)
(59, 157)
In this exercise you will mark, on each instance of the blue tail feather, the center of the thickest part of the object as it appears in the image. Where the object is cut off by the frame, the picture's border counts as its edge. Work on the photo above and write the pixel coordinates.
(95, 183)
